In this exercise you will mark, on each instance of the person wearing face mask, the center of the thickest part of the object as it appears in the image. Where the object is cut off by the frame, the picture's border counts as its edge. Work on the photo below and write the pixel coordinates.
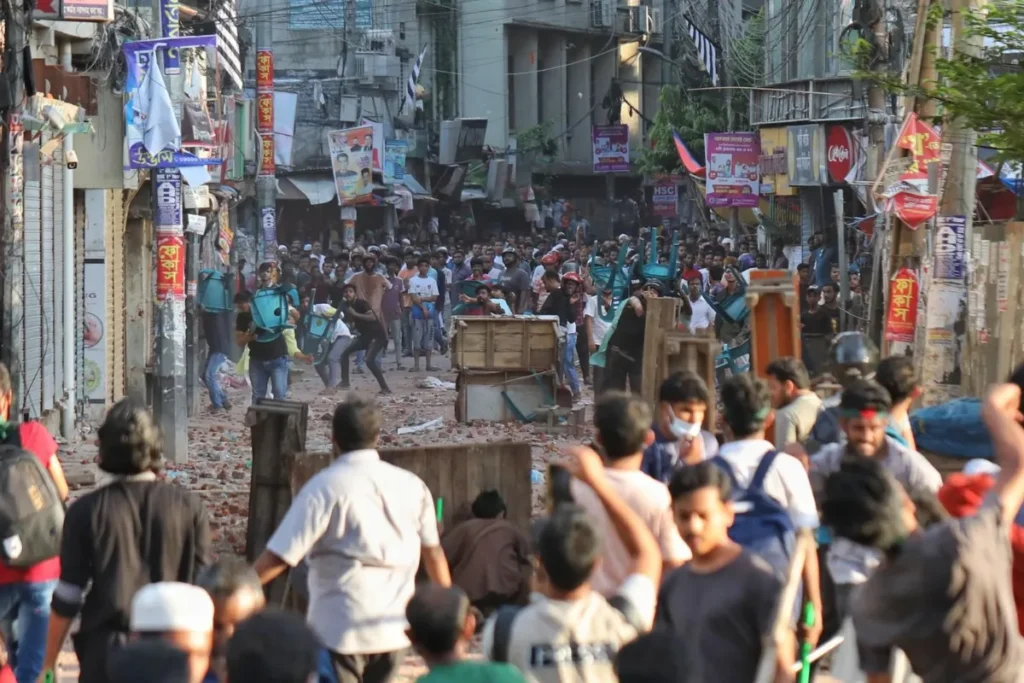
(683, 400)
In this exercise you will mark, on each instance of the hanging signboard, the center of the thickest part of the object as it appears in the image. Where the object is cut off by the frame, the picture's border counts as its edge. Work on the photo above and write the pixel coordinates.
(665, 198)
(901, 321)
(733, 175)
(610, 148)
(913, 208)
(394, 160)
(925, 147)
(839, 152)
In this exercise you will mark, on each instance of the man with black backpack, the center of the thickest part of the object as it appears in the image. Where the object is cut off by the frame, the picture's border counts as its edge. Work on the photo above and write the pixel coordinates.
(570, 633)
(31, 519)
(771, 489)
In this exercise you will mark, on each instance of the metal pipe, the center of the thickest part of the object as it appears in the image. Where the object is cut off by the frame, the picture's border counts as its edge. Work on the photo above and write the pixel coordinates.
(71, 335)
(820, 652)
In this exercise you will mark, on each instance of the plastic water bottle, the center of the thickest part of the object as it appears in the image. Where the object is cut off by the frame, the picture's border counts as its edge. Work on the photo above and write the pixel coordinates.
(536, 477)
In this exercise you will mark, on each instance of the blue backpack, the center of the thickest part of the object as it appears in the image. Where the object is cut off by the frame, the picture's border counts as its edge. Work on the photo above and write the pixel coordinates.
(762, 525)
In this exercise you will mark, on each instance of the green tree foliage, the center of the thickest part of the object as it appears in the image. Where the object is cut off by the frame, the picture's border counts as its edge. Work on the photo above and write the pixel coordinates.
(696, 108)
(987, 92)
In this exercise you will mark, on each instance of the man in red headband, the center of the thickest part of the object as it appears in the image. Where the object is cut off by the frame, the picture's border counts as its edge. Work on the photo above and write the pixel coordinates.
(863, 417)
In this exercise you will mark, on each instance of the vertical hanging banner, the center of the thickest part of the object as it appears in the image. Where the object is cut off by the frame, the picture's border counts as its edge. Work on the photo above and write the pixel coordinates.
(925, 147)
(170, 28)
(170, 267)
(901, 321)
(265, 109)
(665, 198)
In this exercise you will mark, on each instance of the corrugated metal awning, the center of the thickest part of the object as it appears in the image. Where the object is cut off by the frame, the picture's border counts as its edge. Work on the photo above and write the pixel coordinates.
(314, 189)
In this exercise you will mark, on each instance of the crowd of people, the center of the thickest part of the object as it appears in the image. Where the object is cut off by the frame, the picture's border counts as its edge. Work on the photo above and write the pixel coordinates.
(401, 295)
(662, 555)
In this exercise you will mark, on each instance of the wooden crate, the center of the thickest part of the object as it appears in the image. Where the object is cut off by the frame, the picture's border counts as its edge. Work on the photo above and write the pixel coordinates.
(455, 472)
(480, 397)
(525, 343)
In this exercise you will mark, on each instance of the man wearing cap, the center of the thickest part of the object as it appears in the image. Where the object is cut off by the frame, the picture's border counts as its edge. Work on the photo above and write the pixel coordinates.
(180, 614)
(550, 262)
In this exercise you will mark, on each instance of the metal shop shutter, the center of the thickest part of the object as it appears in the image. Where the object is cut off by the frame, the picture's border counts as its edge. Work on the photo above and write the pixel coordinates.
(32, 354)
(49, 309)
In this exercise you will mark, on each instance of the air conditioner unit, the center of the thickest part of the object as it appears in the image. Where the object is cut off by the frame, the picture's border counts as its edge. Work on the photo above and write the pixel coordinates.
(654, 23)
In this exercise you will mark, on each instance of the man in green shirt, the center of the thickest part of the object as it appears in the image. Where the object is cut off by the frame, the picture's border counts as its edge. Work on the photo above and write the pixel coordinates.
(441, 625)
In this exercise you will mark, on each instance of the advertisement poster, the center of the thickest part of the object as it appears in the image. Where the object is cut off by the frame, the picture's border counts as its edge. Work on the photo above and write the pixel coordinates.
(378, 142)
(804, 155)
(950, 248)
(94, 335)
(394, 160)
(611, 148)
(352, 161)
(168, 200)
(901, 321)
(268, 223)
(946, 332)
(733, 175)
(665, 199)
(170, 267)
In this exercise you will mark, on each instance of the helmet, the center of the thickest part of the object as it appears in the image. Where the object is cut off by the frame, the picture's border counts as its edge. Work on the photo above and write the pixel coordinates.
(572, 276)
(852, 356)
(550, 259)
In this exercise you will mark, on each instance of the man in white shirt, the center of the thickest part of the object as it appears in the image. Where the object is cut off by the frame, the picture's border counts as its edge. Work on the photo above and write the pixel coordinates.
(567, 618)
(748, 411)
(362, 525)
(424, 292)
(702, 316)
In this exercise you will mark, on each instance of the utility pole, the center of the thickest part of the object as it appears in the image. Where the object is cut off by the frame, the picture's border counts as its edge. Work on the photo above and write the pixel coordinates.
(70, 341)
(875, 122)
(14, 218)
(668, 66)
(958, 195)
(170, 400)
(266, 185)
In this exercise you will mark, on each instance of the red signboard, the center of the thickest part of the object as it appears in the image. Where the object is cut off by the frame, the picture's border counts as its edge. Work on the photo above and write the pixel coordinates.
(170, 266)
(924, 144)
(265, 112)
(839, 152)
(267, 155)
(264, 70)
(914, 208)
(901, 320)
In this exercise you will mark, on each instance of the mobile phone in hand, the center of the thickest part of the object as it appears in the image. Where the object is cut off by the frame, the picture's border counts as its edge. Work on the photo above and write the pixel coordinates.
(559, 485)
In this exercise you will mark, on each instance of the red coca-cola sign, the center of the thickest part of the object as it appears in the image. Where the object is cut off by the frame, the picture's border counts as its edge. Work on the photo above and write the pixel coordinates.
(839, 151)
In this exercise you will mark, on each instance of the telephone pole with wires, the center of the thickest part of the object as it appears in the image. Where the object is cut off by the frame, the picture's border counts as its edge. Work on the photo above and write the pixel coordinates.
(266, 183)
(13, 189)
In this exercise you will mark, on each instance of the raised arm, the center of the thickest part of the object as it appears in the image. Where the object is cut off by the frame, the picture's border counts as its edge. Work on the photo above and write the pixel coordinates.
(1001, 412)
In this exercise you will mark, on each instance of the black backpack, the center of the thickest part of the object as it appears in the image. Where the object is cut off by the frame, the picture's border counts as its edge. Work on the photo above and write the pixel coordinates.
(31, 511)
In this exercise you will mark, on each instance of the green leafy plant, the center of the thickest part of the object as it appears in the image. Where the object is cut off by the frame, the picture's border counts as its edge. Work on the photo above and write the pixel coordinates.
(537, 140)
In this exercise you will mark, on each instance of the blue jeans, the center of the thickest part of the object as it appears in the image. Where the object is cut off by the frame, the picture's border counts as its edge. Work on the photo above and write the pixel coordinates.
(25, 615)
(274, 372)
(568, 368)
(217, 397)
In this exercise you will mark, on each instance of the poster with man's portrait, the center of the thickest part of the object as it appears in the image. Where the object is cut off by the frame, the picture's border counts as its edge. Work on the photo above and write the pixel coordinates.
(352, 161)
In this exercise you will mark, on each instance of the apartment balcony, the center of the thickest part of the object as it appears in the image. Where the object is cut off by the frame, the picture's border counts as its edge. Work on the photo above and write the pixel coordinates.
(817, 99)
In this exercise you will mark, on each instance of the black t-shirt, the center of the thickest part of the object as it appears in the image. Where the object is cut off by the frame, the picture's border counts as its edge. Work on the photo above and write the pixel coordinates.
(628, 336)
(816, 322)
(557, 303)
(271, 350)
(366, 328)
(516, 281)
(833, 319)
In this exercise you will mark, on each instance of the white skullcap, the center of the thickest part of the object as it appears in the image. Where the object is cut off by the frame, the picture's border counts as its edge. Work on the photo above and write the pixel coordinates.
(170, 606)
(981, 466)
